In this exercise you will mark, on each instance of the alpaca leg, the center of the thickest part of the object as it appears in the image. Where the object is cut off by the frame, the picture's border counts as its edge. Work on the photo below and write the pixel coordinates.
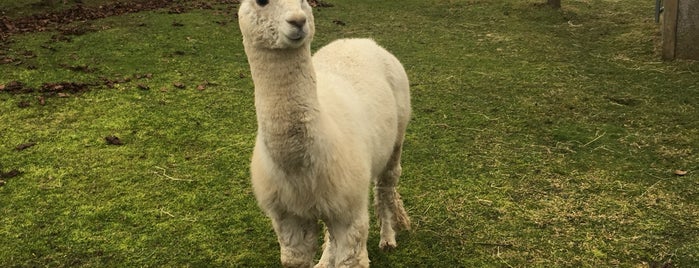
(297, 238)
(328, 257)
(387, 202)
(348, 241)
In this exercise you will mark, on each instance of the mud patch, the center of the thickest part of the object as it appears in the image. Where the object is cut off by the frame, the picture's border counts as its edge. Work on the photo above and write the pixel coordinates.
(53, 20)
(60, 20)
(66, 89)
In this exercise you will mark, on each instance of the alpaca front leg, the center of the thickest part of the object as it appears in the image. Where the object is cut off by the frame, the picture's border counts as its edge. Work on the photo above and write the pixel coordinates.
(297, 239)
(327, 260)
(348, 242)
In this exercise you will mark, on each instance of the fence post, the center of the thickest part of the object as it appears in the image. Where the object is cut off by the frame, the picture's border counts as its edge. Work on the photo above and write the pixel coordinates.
(680, 29)
(669, 29)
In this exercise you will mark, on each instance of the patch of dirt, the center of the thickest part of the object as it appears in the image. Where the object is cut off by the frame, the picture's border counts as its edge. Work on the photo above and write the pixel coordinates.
(65, 89)
(59, 20)
(52, 20)
(62, 21)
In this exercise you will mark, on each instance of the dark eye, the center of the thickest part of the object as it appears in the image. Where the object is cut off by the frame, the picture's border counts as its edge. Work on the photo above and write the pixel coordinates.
(262, 2)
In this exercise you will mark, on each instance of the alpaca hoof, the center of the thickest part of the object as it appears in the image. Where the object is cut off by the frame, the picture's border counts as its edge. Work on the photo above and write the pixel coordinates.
(387, 246)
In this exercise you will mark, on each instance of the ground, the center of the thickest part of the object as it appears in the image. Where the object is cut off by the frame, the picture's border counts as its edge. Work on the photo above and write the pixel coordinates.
(540, 137)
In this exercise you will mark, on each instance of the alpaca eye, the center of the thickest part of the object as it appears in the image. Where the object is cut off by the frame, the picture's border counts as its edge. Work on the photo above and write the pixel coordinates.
(262, 2)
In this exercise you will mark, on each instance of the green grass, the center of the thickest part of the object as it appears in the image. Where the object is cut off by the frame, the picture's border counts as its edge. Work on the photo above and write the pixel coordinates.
(540, 138)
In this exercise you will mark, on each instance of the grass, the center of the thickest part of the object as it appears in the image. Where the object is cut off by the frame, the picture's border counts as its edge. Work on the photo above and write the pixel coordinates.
(540, 138)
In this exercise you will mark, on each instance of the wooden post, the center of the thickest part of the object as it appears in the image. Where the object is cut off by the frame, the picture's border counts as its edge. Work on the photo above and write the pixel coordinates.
(687, 32)
(669, 29)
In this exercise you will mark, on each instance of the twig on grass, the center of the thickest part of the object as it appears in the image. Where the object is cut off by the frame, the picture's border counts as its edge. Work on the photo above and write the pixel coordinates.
(442, 125)
(484, 201)
(163, 211)
(652, 186)
(505, 245)
(486, 117)
(162, 174)
(501, 258)
(595, 139)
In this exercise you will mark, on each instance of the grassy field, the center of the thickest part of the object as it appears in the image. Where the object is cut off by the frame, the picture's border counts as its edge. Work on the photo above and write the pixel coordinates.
(540, 137)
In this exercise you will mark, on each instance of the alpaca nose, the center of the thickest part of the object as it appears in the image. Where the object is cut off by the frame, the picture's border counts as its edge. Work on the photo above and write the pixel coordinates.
(297, 21)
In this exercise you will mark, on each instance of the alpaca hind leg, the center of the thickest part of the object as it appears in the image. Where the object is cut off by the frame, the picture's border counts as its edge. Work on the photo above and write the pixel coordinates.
(388, 204)
(298, 239)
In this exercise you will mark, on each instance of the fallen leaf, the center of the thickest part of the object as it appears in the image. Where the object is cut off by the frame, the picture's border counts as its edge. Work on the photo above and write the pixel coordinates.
(201, 87)
(29, 54)
(52, 49)
(56, 87)
(64, 87)
(78, 68)
(179, 85)
(23, 104)
(143, 87)
(63, 95)
(14, 86)
(113, 140)
(680, 172)
(7, 60)
(11, 174)
(24, 146)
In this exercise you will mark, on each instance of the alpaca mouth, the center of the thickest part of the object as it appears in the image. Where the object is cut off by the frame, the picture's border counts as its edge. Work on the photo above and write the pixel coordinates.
(296, 36)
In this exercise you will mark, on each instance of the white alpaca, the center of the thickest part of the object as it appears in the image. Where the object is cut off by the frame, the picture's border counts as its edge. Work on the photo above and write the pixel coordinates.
(328, 126)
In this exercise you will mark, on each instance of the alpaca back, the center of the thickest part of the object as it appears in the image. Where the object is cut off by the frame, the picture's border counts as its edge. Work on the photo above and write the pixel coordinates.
(365, 89)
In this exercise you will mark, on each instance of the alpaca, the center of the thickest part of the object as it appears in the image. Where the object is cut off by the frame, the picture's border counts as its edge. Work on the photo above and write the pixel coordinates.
(328, 126)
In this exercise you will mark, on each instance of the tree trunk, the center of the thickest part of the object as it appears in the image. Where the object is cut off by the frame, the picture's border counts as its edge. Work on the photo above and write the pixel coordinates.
(554, 3)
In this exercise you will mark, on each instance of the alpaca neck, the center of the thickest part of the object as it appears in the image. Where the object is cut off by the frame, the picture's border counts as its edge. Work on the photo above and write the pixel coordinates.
(286, 103)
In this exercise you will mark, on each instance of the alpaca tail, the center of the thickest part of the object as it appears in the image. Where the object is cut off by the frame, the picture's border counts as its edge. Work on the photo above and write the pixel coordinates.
(401, 219)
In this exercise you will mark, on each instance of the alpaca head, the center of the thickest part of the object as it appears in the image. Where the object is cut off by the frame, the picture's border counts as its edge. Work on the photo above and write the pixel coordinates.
(276, 24)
